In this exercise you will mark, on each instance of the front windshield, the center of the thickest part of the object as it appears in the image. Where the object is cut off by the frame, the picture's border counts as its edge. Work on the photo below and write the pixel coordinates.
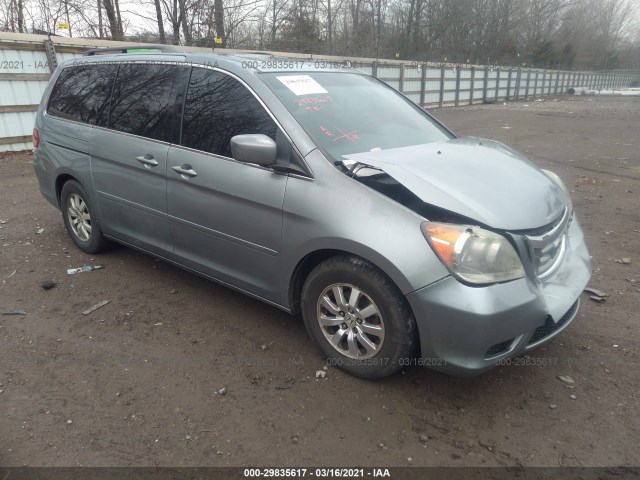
(346, 113)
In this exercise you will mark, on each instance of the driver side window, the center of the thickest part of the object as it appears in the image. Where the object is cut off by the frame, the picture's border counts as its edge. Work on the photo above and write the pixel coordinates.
(218, 107)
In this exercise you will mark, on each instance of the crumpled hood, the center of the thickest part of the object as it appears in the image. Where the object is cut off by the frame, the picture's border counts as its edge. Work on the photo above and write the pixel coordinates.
(480, 179)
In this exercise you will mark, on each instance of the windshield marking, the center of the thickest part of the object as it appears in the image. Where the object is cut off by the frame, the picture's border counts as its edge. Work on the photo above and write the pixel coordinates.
(312, 100)
(351, 136)
(313, 104)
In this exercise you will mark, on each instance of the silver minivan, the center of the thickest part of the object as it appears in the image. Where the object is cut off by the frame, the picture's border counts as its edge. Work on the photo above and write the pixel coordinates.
(322, 191)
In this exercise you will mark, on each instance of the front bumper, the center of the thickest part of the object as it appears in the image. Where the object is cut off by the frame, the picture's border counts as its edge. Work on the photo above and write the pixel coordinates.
(467, 330)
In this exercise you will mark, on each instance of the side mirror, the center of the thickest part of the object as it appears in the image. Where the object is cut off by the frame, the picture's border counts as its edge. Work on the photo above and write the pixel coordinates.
(254, 148)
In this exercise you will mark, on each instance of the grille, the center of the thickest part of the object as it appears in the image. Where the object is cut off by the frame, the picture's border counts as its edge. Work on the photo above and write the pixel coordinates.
(550, 326)
(547, 248)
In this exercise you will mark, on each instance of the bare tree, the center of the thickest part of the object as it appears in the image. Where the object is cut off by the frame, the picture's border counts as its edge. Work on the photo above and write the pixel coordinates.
(20, 7)
(112, 10)
(160, 21)
(552, 33)
(277, 18)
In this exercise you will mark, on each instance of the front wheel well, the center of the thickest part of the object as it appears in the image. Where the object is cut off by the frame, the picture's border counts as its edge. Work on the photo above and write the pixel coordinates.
(306, 265)
(302, 271)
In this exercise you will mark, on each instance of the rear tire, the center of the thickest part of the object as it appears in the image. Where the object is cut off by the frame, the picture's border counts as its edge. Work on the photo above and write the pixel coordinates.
(358, 318)
(80, 219)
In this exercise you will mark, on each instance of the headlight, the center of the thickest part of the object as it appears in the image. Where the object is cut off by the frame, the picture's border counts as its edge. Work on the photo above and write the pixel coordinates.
(474, 254)
(561, 184)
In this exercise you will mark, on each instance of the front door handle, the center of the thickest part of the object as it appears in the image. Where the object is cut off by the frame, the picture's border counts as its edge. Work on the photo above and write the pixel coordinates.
(185, 171)
(147, 160)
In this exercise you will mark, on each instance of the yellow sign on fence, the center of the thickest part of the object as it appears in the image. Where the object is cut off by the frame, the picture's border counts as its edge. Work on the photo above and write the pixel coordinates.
(64, 25)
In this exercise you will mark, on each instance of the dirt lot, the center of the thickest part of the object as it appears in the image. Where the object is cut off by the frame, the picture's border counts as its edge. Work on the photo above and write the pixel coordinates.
(136, 382)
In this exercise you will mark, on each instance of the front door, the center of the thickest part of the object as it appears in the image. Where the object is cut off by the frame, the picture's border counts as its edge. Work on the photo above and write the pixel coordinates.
(225, 216)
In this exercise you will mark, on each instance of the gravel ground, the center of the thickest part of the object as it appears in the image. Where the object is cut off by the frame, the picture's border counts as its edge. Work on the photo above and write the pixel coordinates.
(139, 381)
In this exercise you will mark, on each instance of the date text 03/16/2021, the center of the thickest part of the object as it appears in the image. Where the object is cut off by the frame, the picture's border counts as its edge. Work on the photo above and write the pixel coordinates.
(316, 472)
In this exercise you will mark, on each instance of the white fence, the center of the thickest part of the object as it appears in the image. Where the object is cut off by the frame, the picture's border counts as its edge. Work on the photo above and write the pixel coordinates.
(26, 63)
(445, 85)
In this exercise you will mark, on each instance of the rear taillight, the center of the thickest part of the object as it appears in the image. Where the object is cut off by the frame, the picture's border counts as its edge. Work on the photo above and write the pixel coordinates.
(36, 138)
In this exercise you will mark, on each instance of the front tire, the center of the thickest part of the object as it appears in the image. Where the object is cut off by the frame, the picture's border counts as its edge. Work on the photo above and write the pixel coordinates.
(358, 317)
(80, 219)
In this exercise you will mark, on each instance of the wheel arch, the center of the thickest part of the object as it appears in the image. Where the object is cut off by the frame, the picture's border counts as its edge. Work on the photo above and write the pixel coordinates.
(304, 267)
(60, 181)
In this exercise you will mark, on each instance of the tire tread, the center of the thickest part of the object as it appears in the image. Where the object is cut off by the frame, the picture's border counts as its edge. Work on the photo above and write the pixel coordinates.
(97, 242)
(405, 338)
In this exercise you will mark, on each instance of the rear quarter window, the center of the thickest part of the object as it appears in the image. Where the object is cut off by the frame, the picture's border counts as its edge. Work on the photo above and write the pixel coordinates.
(81, 93)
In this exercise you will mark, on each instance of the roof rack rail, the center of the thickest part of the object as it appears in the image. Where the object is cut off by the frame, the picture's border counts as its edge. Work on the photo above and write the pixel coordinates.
(254, 52)
(131, 49)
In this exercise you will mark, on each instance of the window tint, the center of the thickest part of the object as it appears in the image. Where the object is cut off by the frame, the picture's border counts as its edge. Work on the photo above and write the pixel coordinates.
(217, 108)
(140, 100)
(82, 93)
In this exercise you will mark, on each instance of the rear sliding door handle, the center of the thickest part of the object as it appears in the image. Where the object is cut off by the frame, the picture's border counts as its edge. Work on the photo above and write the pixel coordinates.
(147, 160)
(185, 171)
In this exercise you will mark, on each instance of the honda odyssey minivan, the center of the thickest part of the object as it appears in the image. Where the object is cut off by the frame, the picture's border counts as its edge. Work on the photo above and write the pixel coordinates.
(321, 191)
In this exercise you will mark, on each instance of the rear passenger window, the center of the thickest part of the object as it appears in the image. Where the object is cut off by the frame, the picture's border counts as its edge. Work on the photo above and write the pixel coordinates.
(82, 93)
(140, 101)
(217, 108)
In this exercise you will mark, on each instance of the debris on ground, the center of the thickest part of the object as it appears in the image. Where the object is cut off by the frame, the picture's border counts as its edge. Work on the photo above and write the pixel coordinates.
(624, 261)
(582, 180)
(96, 307)
(572, 397)
(553, 406)
(39, 231)
(596, 292)
(566, 379)
(222, 391)
(15, 312)
(321, 374)
(84, 268)
(595, 298)
(488, 445)
(423, 438)
(15, 271)
(47, 284)
(288, 383)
